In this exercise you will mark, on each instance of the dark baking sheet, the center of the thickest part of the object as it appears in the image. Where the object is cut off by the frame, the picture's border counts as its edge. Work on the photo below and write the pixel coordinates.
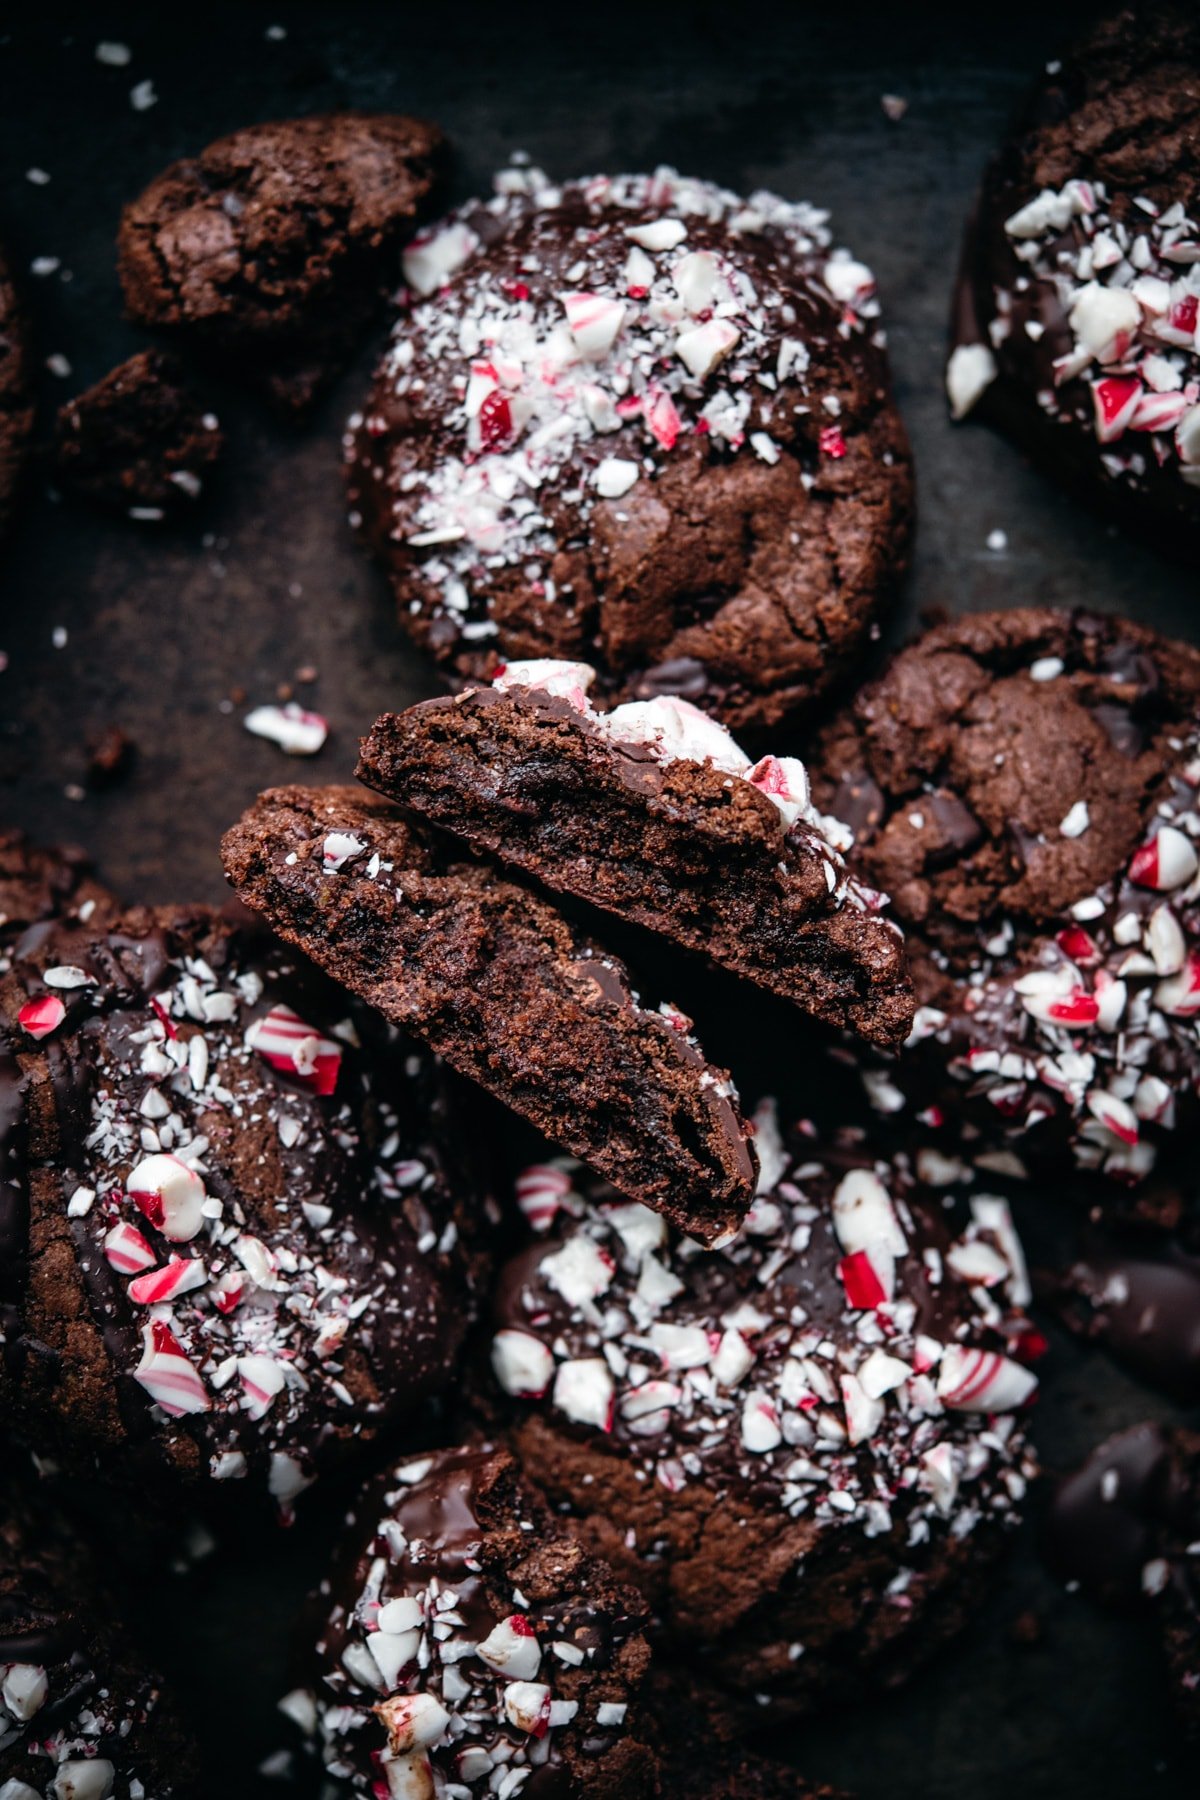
(165, 630)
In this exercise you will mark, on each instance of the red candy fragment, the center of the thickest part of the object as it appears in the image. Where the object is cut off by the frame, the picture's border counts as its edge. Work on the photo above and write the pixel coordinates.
(832, 443)
(40, 1017)
(864, 1290)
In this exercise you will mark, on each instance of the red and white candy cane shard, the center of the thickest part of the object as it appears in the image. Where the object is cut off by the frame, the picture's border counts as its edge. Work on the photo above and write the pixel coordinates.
(1167, 861)
(180, 1276)
(527, 1706)
(661, 416)
(283, 1039)
(541, 1189)
(127, 1251)
(1179, 995)
(170, 1195)
(595, 323)
(1115, 400)
(982, 1381)
(40, 1017)
(262, 1379)
(512, 1648)
(866, 1281)
(1077, 1009)
(1078, 945)
(167, 1374)
(583, 1390)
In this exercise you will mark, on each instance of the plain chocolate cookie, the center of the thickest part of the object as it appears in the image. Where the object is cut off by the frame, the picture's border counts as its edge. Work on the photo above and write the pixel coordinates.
(805, 1446)
(465, 1641)
(16, 398)
(507, 989)
(140, 439)
(37, 884)
(81, 1716)
(238, 1234)
(1075, 325)
(272, 248)
(1024, 785)
(639, 422)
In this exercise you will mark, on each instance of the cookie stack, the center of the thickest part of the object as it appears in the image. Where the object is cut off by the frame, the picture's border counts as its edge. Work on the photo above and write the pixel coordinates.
(682, 1410)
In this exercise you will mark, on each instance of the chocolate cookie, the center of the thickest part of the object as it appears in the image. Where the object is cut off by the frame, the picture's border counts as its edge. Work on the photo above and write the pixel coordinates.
(1024, 785)
(1125, 1526)
(272, 248)
(235, 1243)
(467, 1644)
(140, 439)
(507, 990)
(37, 884)
(81, 1717)
(16, 398)
(805, 1446)
(1075, 324)
(638, 422)
(634, 810)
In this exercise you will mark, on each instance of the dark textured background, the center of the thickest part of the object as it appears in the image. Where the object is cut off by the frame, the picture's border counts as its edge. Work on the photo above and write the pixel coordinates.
(164, 627)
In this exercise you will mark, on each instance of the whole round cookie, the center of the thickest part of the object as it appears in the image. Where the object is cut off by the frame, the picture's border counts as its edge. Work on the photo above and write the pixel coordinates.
(1075, 321)
(806, 1446)
(82, 1717)
(639, 422)
(16, 399)
(272, 247)
(238, 1238)
(1025, 785)
(467, 1647)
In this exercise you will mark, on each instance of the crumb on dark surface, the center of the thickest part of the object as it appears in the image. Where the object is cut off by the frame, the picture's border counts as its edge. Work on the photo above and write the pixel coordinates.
(141, 439)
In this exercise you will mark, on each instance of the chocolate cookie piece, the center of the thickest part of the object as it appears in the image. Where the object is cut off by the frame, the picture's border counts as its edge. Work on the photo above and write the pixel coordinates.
(38, 884)
(1075, 325)
(634, 811)
(507, 990)
(16, 398)
(465, 1640)
(805, 1446)
(273, 246)
(1125, 1525)
(643, 423)
(1024, 785)
(81, 1716)
(236, 1244)
(140, 439)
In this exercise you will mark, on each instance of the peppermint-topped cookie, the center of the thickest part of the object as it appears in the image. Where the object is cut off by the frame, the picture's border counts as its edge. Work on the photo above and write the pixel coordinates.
(467, 1647)
(81, 1716)
(828, 1406)
(641, 422)
(1076, 326)
(1025, 785)
(653, 812)
(236, 1241)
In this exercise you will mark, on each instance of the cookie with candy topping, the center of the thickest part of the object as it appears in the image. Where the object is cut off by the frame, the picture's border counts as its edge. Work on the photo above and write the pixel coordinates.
(272, 248)
(1024, 785)
(81, 1716)
(38, 884)
(467, 1645)
(503, 986)
(240, 1236)
(807, 1445)
(640, 422)
(16, 392)
(1075, 326)
(634, 811)
(1124, 1526)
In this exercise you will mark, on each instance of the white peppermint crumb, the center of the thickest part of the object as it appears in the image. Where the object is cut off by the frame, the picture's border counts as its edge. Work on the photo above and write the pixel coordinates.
(39, 177)
(275, 34)
(894, 106)
(1046, 668)
(58, 365)
(997, 540)
(1076, 821)
(143, 97)
(44, 265)
(114, 56)
(58, 637)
